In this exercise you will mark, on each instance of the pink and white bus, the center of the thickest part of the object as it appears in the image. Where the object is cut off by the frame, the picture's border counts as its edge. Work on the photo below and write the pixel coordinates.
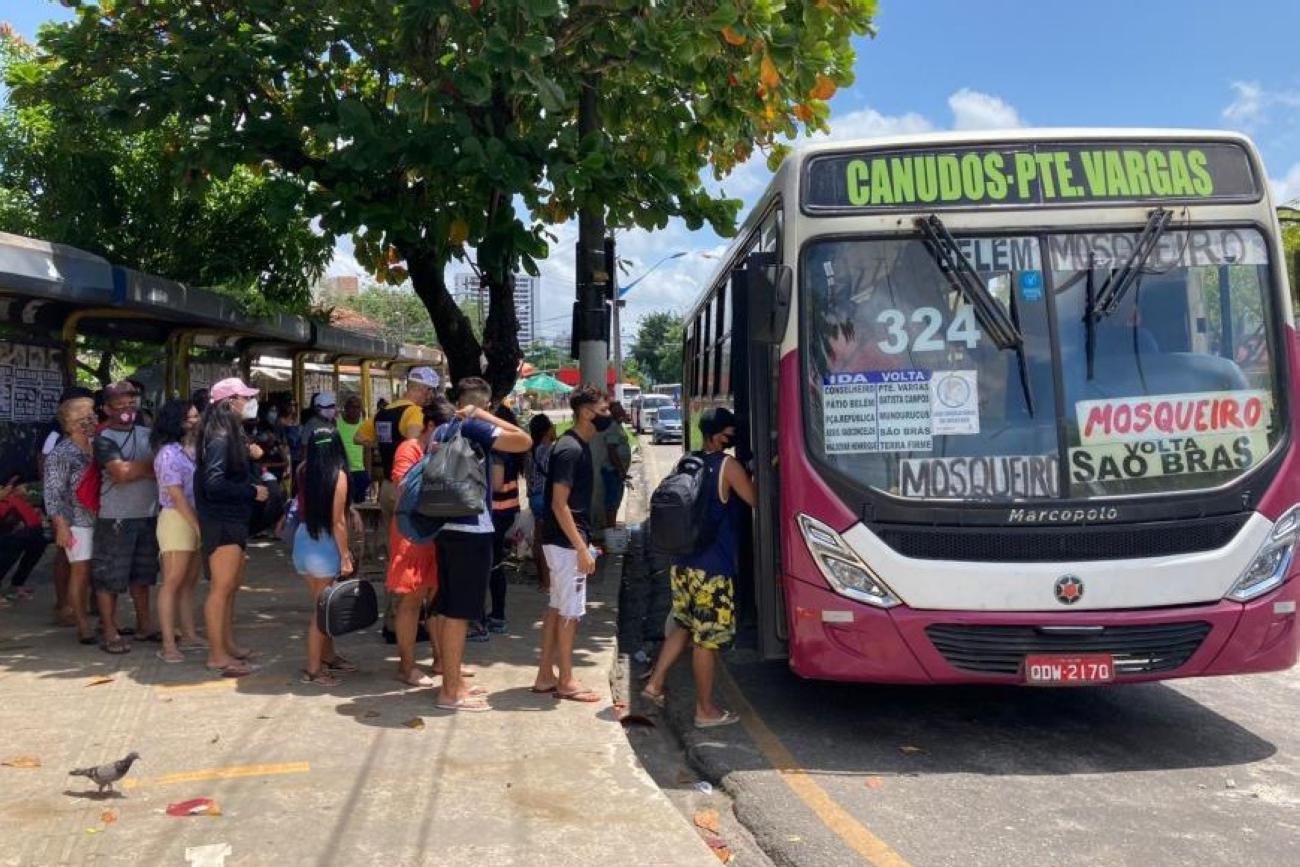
(1019, 407)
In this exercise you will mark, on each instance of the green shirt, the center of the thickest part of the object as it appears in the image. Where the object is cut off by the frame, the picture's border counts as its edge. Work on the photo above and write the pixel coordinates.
(356, 453)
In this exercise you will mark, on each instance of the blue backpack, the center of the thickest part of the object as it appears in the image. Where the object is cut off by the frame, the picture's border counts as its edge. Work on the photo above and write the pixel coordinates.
(418, 528)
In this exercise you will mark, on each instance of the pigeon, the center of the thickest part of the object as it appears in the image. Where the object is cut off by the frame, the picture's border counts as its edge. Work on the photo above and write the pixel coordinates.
(105, 776)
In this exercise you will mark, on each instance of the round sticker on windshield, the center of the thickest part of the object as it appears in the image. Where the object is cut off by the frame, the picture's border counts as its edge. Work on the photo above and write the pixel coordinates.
(953, 391)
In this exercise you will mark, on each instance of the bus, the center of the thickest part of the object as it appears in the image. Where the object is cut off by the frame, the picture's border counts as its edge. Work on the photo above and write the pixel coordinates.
(1018, 406)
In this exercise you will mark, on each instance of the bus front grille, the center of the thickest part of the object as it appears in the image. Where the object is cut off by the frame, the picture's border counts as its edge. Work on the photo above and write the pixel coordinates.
(1145, 649)
(1037, 544)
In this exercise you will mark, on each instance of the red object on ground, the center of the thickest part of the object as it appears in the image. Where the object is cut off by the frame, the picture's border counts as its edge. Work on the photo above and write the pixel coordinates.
(194, 807)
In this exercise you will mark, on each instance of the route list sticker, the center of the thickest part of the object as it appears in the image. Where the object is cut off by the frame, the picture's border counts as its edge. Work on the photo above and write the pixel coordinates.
(877, 411)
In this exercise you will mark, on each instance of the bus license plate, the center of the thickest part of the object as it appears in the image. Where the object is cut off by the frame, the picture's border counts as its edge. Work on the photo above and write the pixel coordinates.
(1069, 670)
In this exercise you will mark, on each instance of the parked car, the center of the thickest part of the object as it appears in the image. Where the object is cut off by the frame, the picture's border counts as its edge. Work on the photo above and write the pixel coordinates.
(644, 408)
(667, 425)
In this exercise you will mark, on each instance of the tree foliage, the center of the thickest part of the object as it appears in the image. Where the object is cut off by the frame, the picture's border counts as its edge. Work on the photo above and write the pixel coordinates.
(66, 176)
(658, 346)
(419, 126)
(400, 315)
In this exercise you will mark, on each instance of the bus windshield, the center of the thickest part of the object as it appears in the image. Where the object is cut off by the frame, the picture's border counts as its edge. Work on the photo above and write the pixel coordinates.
(1170, 388)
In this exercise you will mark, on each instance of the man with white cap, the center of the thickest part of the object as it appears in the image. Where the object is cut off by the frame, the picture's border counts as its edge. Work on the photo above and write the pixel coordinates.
(400, 420)
(324, 409)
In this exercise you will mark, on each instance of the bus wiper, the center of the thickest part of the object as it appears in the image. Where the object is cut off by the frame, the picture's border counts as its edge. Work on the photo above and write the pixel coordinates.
(967, 282)
(1112, 292)
(1090, 314)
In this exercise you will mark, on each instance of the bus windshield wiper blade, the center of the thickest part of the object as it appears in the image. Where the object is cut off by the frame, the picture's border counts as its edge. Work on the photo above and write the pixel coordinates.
(968, 283)
(1112, 292)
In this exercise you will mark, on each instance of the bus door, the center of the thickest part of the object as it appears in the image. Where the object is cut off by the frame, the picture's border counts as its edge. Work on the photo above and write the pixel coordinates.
(753, 376)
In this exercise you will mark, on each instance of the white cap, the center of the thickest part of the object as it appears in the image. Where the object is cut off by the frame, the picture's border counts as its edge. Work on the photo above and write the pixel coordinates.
(425, 376)
(324, 400)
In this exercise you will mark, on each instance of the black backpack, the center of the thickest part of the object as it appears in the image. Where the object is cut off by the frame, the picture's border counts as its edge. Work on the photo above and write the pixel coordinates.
(679, 508)
(454, 483)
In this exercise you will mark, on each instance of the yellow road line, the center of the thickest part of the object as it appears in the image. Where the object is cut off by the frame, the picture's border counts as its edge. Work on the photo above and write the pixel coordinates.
(854, 834)
(232, 772)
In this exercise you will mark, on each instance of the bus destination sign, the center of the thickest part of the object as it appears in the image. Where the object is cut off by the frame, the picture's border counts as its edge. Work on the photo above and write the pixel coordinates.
(1030, 174)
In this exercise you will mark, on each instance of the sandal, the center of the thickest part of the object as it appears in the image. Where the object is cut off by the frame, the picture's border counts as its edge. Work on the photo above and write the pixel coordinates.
(414, 678)
(171, 660)
(586, 696)
(320, 678)
(116, 647)
(237, 669)
(478, 635)
(22, 594)
(197, 644)
(88, 639)
(465, 705)
(154, 637)
(655, 698)
(547, 691)
(726, 719)
(340, 665)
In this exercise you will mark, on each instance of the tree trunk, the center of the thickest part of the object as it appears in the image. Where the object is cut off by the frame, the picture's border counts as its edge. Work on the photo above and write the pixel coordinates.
(455, 334)
(501, 332)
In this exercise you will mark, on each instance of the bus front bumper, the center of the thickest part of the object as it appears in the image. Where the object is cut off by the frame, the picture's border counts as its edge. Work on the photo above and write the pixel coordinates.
(835, 638)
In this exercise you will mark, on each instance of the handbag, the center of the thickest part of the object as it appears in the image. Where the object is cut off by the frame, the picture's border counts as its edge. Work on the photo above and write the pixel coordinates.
(346, 606)
(88, 488)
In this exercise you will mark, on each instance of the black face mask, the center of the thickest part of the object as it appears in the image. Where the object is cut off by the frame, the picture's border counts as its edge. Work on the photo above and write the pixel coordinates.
(602, 422)
(726, 443)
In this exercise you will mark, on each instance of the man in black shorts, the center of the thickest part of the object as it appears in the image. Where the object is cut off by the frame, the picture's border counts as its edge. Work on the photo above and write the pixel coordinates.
(126, 540)
(465, 544)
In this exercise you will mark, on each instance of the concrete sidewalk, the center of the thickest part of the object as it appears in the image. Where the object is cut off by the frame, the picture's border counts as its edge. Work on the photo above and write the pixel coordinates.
(366, 773)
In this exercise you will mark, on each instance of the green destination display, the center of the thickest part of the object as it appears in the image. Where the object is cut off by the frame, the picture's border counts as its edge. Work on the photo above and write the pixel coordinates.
(1030, 174)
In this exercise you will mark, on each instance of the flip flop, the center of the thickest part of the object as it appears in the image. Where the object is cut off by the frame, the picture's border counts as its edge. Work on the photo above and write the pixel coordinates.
(422, 680)
(656, 699)
(320, 678)
(547, 691)
(88, 639)
(726, 719)
(236, 670)
(154, 637)
(342, 666)
(585, 696)
(117, 647)
(465, 705)
(170, 660)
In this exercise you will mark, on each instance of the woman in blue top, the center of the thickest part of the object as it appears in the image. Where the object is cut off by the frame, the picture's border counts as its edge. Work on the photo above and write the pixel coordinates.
(704, 595)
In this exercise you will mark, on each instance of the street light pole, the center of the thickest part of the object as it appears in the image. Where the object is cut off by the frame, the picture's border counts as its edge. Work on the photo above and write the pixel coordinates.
(619, 304)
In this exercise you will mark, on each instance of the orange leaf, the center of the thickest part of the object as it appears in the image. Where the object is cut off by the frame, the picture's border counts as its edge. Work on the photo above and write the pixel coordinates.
(732, 37)
(708, 820)
(21, 762)
(823, 89)
(108, 817)
(804, 112)
(767, 73)
(459, 231)
(100, 681)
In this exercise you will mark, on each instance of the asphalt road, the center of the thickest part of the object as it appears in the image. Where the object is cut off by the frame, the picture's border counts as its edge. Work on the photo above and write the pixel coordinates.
(1177, 773)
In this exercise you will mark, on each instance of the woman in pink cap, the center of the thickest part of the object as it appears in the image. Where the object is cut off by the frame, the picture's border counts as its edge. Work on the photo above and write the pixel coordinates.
(225, 489)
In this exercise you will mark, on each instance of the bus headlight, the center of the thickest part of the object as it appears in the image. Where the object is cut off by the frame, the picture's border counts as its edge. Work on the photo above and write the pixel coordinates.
(1271, 564)
(842, 568)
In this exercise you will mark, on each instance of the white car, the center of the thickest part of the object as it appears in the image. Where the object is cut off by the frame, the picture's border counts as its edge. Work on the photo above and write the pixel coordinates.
(644, 409)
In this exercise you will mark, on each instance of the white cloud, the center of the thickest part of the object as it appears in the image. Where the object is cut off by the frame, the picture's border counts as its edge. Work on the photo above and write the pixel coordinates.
(1252, 105)
(1287, 188)
(972, 109)
(1247, 107)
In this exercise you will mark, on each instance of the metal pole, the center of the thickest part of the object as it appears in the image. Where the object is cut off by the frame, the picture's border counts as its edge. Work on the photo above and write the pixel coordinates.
(617, 337)
(593, 354)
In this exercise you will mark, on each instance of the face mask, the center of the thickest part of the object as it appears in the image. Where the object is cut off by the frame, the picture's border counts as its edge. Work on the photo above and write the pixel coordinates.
(726, 443)
(250, 409)
(602, 422)
(272, 416)
(328, 413)
(125, 417)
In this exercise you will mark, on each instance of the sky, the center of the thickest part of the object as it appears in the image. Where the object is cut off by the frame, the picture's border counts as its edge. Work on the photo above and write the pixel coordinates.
(957, 64)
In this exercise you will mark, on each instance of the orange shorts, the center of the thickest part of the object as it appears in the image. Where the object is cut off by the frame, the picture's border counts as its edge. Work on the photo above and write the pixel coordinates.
(412, 568)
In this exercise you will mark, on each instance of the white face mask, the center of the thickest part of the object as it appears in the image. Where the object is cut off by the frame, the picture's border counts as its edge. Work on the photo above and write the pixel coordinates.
(328, 412)
(250, 409)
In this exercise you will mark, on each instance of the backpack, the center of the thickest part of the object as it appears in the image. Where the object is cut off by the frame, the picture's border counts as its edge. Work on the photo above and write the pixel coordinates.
(454, 479)
(679, 508)
(410, 523)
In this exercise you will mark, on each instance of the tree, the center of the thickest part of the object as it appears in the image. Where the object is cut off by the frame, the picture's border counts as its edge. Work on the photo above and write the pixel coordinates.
(416, 125)
(658, 346)
(545, 356)
(67, 177)
(1290, 218)
(400, 315)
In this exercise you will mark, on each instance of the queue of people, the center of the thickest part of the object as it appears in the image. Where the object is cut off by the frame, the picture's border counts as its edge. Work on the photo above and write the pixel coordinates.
(132, 504)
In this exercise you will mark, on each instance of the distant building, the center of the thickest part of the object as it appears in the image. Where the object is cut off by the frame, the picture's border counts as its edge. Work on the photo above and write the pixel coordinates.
(339, 286)
(469, 290)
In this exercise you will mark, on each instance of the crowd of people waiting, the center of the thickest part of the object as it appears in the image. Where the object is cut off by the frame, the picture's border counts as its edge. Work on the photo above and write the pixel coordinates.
(133, 497)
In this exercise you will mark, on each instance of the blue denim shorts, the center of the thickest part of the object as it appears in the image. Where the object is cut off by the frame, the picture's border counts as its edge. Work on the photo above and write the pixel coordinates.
(315, 558)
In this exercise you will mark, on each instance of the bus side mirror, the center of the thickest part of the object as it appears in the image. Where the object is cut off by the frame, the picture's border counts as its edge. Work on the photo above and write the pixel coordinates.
(769, 299)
